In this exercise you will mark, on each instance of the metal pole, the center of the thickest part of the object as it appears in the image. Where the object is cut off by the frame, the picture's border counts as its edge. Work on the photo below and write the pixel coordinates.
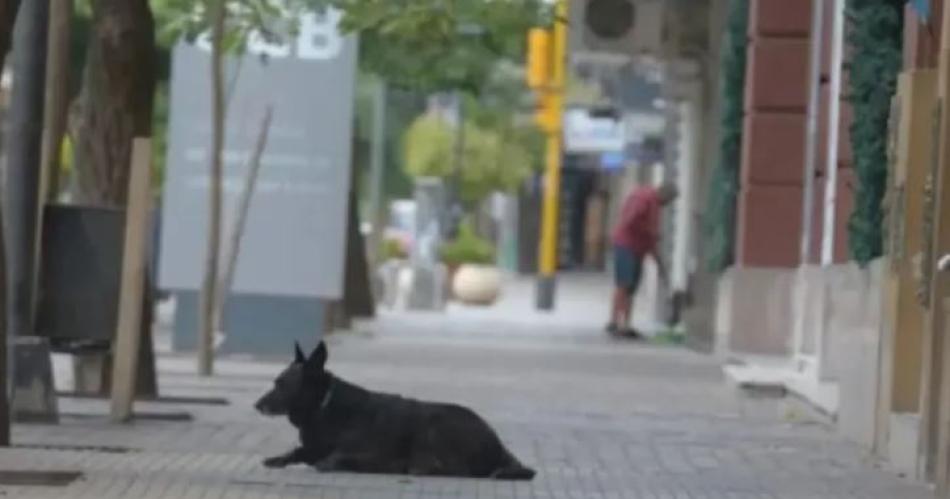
(22, 180)
(23, 159)
(834, 118)
(455, 198)
(552, 176)
(377, 170)
(5, 357)
(811, 137)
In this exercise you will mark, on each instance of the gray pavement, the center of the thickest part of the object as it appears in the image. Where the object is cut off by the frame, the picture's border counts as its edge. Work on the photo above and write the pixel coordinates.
(597, 418)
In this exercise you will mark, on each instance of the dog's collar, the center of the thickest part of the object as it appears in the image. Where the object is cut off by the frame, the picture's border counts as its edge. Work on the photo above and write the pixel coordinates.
(326, 397)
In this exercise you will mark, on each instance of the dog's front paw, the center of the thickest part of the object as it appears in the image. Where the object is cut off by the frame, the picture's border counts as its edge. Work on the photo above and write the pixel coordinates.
(327, 464)
(277, 462)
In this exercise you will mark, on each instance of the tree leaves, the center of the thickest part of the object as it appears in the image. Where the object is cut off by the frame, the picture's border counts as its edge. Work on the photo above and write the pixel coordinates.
(435, 45)
(492, 160)
(875, 35)
(425, 45)
(720, 218)
(428, 147)
(273, 20)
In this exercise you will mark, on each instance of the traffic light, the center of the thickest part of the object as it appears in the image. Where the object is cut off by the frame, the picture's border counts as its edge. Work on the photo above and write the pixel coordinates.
(539, 75)
(539, 58)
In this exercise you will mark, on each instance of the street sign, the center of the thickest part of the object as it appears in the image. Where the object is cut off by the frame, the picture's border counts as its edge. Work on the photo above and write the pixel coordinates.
(586, 133)
(612, 160)
(295, 237)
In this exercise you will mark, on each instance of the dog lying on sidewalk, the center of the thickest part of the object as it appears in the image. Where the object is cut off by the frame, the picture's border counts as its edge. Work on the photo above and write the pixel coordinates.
(347, 428)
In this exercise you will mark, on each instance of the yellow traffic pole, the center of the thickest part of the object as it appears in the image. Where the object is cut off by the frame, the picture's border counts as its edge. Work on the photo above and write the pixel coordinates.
(553, 118)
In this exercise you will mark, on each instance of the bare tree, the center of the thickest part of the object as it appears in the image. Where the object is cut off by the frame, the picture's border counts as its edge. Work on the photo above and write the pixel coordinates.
(240, 219)
(209, 286)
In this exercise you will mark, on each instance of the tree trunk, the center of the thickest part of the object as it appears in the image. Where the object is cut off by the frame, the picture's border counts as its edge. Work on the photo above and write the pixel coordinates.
(212, 257)
(115, 104)
(113, 107)
(240, 220)
(57, 98)
(8, 12)
(357, 300)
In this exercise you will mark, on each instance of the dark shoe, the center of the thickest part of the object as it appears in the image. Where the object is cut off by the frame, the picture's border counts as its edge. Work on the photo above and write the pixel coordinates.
(611, 328)
(629, 333)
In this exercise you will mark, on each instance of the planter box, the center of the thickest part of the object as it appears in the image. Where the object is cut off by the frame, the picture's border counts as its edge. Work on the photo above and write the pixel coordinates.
(477, 284)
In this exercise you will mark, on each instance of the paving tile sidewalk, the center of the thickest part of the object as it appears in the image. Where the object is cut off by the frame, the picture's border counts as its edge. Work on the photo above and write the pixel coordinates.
(597, 418)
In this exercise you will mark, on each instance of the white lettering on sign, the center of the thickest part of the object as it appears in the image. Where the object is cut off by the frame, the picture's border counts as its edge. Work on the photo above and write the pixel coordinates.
(318, 39)
(319, 36)
(257, 45)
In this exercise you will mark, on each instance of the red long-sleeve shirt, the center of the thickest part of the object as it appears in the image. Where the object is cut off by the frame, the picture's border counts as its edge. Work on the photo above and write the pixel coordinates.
(638, 228)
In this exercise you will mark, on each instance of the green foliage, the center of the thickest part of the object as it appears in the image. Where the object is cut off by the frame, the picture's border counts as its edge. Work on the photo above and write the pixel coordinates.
(273, 20)
(670, 336)
(426, 46)
(720, 218)
(501, 97)
(876, 36)
(393, 250)
(468, 247)
(491, 160)
(418, 47)
(429, 45)
(428, 147)
(434, 45)
(516, 143)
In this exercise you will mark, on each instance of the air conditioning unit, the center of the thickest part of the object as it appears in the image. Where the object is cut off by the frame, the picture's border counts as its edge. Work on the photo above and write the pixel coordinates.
(624, 28)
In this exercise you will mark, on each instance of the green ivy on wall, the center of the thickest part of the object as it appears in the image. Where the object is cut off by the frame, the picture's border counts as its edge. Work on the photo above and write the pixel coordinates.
(875, 34)
(720, 219)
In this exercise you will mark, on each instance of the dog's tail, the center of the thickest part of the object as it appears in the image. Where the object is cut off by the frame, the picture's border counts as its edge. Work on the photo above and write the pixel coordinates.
(518, 472)
(512, 469)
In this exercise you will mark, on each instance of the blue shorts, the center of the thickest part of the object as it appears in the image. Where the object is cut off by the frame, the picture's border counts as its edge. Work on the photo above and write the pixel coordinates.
(628, 267)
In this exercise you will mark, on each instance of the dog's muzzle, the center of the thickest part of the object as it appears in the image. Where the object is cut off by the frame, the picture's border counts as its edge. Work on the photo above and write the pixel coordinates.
(261, 407)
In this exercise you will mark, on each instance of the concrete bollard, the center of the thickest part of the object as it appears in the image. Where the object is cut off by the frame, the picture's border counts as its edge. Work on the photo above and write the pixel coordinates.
(34, 393)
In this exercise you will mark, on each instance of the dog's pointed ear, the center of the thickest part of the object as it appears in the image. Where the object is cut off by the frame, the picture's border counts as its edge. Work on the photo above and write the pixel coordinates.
(299, 357)
(319, 356)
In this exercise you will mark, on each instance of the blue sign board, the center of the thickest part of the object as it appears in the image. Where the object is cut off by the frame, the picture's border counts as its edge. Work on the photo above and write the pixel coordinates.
(612, 160)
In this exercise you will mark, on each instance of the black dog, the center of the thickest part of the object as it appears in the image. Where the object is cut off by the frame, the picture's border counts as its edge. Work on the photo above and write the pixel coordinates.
(346, 428)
